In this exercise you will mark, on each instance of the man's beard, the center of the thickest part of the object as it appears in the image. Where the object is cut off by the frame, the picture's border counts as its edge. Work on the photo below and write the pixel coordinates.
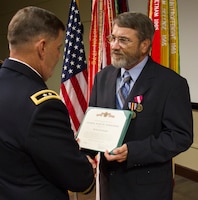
(124, 60)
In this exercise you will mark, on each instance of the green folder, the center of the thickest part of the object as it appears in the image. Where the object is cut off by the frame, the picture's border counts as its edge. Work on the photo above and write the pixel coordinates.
(103, 128)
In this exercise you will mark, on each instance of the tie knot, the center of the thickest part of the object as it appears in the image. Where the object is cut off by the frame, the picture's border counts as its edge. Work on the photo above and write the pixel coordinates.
(126, 77)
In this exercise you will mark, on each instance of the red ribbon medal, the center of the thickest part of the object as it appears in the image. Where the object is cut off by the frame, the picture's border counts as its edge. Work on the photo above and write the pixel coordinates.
(138, 100)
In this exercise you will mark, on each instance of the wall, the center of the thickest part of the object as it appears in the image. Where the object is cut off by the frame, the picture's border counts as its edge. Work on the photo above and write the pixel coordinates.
(7, 10)
(189, 157)
(61, 7)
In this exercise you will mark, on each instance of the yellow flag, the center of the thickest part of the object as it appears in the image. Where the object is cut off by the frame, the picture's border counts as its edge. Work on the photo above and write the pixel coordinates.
(174, 36)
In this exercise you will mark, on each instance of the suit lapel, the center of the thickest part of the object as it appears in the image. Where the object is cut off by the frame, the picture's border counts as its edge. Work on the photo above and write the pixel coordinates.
(142, 84)
(111, 91)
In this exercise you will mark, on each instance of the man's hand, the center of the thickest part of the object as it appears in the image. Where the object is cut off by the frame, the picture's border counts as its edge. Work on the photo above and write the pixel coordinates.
(119, 154)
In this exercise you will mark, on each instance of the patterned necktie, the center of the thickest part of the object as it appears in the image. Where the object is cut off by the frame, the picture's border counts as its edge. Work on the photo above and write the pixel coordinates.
(124, 89)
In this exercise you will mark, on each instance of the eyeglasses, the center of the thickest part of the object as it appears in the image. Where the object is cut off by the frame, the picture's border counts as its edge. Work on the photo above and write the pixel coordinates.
(122, 41)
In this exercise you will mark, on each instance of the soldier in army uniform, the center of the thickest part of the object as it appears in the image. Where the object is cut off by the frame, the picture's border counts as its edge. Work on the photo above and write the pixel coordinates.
(40, 158)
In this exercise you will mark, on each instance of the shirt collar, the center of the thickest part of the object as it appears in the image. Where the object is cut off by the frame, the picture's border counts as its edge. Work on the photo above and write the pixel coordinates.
(135, 71)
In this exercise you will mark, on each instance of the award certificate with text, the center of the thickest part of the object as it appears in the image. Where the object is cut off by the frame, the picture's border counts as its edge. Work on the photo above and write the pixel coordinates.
(103, 128)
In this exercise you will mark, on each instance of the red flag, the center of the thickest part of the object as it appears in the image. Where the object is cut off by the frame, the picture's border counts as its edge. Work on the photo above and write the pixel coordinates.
(74, 73)
(103, 12)
(108, 14)
(154, 14)
(94, 45)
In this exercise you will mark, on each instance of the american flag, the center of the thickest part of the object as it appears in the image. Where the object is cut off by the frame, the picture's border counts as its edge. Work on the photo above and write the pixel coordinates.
(74, 73)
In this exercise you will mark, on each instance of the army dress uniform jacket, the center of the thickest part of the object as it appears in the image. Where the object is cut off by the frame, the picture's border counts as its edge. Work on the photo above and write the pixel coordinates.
(39, 157)
(159, 132)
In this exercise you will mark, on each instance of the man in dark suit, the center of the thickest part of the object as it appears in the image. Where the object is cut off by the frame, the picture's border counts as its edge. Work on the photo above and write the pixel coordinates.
(161, 126)
(39, 156)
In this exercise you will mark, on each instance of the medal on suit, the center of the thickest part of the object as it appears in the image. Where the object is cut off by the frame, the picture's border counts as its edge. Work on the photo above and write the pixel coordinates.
(139, 107)
(138, 100)
(132, 107)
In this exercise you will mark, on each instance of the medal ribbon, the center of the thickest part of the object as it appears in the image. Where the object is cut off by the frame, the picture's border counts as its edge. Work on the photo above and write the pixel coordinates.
(138, 99)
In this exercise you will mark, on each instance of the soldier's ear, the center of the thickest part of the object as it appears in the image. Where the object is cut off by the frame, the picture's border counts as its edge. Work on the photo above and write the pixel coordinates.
(41, 47)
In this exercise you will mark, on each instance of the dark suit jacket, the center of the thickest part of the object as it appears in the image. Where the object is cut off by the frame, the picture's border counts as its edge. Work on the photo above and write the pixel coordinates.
(161, 131)
(39, 157)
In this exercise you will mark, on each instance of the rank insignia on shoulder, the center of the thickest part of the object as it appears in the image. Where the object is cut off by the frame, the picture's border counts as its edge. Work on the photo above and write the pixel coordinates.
(44, 95)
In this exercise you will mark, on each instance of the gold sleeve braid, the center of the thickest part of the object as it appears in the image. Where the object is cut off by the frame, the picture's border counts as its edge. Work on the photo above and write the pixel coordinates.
(88, 190)
(43, 96)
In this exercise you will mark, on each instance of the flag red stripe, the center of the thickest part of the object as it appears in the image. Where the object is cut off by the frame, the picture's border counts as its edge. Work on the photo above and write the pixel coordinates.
(79, 94)
(70, 107)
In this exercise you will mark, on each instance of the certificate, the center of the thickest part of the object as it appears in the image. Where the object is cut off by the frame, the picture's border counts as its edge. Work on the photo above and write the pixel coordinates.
(103, 128)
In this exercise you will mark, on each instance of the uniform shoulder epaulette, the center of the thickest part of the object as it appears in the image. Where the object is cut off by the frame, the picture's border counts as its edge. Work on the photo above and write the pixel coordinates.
(44, 95)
